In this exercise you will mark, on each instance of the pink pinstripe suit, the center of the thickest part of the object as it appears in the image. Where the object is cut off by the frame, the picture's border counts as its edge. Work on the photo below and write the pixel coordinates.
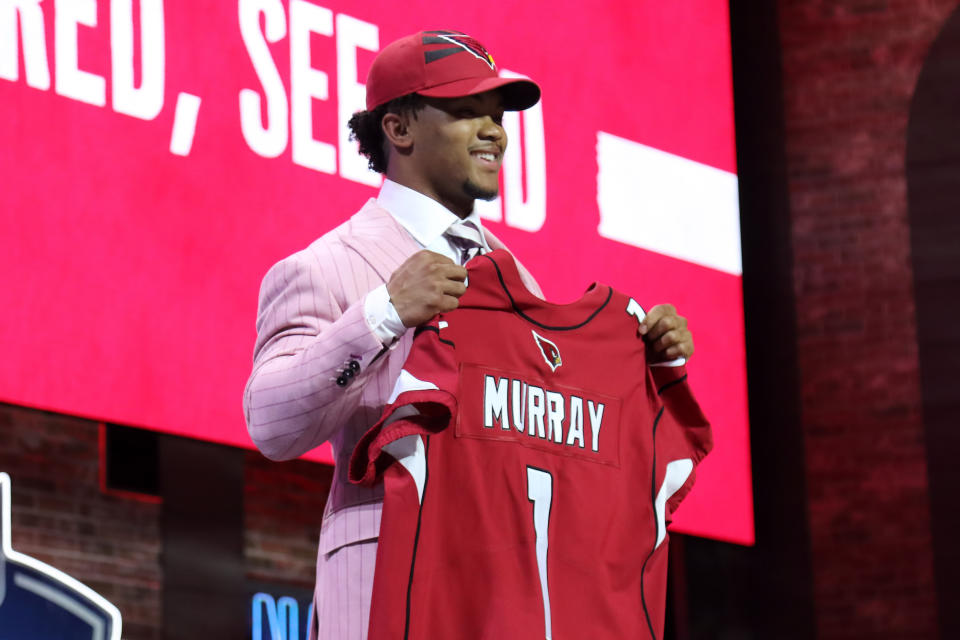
(310, 325)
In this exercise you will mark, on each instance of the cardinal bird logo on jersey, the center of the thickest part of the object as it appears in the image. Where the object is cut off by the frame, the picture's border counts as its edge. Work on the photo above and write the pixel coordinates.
(551, 354)
(460, 41)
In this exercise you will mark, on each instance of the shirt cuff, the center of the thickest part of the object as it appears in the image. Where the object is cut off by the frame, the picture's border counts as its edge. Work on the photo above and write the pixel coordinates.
(679, 362)
(381, 316)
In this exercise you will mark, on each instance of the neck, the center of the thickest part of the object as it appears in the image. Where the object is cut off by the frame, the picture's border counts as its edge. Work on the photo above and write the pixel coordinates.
(460, 208)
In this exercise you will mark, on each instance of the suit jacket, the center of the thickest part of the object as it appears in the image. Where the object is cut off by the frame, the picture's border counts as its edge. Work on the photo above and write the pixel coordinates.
(310, 328)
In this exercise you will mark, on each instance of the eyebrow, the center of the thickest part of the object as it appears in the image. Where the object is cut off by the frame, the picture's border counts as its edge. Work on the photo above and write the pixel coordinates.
(472, 101)
(475, 98)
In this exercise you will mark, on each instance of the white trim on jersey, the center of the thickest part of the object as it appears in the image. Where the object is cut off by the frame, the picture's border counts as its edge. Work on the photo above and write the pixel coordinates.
(410, 452)
(408, 382)
(677, 473)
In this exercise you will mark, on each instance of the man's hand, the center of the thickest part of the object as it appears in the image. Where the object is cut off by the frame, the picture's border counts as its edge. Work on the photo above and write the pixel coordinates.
(666, 334)
(425, 285)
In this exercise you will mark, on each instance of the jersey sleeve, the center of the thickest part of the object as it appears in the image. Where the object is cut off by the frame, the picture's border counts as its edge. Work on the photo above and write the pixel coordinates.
(688, 434)
(423, 402)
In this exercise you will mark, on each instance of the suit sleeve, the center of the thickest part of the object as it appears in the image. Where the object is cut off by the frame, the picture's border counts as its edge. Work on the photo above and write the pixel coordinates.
(424, 401)
(306, 339)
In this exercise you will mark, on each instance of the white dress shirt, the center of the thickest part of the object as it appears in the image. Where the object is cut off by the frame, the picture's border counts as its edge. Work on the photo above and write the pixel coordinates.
(426, 220)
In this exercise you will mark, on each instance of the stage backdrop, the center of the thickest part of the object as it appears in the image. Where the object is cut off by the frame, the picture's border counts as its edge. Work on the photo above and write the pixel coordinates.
(159, 155)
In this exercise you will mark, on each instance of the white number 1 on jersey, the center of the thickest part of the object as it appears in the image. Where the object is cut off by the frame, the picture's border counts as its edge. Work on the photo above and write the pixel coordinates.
(540, 493)
(634, 309)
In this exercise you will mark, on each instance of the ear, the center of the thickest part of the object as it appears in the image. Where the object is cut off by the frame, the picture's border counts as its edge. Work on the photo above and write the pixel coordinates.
(396, 130)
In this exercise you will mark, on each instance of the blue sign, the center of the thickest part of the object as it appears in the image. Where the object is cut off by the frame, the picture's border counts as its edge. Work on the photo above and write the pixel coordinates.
(38, 601)
(278, 619)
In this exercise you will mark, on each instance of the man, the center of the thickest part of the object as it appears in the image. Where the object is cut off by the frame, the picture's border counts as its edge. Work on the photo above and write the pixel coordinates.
(333, 319)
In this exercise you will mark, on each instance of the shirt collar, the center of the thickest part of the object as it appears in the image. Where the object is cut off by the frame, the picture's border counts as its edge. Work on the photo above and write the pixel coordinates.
(425, 218)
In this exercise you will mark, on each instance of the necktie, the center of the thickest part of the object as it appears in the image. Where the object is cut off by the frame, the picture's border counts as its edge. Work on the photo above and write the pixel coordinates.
(465, 237)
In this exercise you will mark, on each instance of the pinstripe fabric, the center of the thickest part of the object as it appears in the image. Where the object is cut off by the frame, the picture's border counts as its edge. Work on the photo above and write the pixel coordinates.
(309, 325)
(344, 588)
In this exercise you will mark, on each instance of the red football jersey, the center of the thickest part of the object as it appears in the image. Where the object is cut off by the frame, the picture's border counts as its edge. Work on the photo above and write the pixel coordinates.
(531, 461)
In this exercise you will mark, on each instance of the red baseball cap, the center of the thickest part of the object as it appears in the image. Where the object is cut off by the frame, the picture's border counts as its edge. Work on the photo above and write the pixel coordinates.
(442, 64)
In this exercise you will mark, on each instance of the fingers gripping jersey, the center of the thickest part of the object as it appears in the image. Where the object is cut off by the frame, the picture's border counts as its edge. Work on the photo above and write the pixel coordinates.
(531, 461)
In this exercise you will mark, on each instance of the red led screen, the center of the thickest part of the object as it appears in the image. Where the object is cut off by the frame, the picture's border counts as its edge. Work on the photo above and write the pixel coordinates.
(158, 156)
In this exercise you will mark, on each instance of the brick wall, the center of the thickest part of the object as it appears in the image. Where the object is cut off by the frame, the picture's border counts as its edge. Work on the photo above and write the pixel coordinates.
(849, 70)
(283, 506)
(113, 543)
(60, 516)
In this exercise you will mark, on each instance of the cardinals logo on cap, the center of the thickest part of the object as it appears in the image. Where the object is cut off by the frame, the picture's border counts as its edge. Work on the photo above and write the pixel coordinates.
(460, 41)
(551, 354)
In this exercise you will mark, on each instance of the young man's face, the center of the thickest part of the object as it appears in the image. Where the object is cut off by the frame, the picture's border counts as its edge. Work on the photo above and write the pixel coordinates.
(458, 146)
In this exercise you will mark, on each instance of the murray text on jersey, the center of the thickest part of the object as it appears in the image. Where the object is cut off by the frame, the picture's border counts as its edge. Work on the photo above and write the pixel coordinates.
(561, 420)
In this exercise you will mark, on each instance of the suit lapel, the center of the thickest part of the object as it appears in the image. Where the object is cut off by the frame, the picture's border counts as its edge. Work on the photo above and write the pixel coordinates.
(379, 239)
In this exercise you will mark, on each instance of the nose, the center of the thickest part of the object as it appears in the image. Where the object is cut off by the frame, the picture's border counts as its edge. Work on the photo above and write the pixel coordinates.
(490, 129)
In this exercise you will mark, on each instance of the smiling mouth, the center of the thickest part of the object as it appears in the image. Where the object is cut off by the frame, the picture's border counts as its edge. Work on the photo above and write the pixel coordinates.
(487, 156)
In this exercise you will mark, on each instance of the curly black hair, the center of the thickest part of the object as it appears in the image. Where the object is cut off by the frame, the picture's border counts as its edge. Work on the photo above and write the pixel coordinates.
(365, 128)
